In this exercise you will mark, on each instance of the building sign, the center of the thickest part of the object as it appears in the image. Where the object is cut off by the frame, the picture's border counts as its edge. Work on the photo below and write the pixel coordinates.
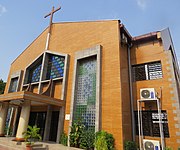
(150, 121)
(67, 117)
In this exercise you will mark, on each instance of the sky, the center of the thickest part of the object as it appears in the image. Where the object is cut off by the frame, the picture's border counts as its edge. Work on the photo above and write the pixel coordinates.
(22, 21)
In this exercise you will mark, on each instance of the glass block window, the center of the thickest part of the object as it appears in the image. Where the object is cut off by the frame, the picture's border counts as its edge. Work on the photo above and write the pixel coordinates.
(85, 99)
(148, 71)
(13, 85)
(35, 73)
(55, 67)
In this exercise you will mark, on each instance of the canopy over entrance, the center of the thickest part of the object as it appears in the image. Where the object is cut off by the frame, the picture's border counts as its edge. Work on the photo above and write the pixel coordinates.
(25, 95)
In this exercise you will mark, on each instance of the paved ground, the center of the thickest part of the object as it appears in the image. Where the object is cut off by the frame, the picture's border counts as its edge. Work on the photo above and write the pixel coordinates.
(5, 148)
(6, 143)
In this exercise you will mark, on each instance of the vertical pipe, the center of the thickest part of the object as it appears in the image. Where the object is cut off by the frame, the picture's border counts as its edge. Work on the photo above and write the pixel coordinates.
(139, 127)
(160, 124)
(131, 93)
(141, 124)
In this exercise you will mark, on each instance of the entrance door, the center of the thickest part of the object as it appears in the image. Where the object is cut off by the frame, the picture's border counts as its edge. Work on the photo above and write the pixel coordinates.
(54, 126)
(38, 119)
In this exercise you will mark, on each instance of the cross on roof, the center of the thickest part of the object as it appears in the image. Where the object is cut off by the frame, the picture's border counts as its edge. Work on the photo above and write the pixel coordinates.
(51, 16)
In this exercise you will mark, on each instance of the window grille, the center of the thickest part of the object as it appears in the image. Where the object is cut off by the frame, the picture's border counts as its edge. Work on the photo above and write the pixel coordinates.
(148, 71)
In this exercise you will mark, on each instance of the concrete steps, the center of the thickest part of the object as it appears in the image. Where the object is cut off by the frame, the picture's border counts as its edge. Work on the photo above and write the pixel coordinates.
(39, 147)
(8, 144)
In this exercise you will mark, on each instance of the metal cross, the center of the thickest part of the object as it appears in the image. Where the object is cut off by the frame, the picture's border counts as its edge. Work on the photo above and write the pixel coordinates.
(51, 16)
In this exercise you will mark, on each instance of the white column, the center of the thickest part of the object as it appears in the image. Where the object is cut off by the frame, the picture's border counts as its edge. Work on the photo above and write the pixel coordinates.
(24, 119)
(3, 115)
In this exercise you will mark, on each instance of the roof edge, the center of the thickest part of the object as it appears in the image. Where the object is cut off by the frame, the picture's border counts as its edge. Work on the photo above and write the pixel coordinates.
(84, 21)
(145, 36)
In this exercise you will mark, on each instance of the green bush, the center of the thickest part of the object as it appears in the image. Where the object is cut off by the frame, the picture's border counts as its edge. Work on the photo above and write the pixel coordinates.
(87, 140)
(81, 137)
(130, 145)
(104, 141)
(75, 135)
(63, 139)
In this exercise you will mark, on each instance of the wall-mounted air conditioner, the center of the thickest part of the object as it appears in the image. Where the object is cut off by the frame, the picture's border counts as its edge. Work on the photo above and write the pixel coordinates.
(151, 144)
(147, 93)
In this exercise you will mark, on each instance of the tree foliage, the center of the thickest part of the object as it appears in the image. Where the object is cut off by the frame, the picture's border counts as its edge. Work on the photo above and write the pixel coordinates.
(2, 86)
(104, 141)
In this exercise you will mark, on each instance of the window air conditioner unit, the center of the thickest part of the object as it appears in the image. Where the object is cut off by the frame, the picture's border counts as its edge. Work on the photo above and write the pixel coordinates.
(151, 144)
(147, 93)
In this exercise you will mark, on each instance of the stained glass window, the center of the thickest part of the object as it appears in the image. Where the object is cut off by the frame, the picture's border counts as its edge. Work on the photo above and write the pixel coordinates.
(55, 67)
(85, 100)
(13, 85)
(35, 73)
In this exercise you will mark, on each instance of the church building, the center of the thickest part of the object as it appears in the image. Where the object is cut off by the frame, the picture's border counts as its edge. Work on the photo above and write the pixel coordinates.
(96, 71)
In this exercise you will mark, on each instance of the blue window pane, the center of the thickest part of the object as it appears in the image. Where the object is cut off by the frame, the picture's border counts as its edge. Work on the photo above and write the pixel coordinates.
(55, 67)
(35, 73)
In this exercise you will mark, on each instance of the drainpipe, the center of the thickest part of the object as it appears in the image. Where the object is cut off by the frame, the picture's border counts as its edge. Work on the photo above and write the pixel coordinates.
(131, 92)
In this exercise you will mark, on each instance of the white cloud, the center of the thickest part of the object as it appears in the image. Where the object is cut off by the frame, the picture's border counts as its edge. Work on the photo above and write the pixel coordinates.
(142, 4)
(2, 9)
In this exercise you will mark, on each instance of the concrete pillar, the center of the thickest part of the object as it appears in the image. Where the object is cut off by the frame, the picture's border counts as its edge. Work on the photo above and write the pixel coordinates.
(3, 115)
(24, 120)
(60, 123)
(47, 123)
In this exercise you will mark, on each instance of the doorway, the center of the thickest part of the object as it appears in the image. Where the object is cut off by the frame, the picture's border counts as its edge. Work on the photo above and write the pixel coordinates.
(54, 126)
(38, 119)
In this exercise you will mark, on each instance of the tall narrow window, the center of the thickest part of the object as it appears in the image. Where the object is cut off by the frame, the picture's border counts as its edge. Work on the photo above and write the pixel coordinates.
(13, 85)
(85, 99)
